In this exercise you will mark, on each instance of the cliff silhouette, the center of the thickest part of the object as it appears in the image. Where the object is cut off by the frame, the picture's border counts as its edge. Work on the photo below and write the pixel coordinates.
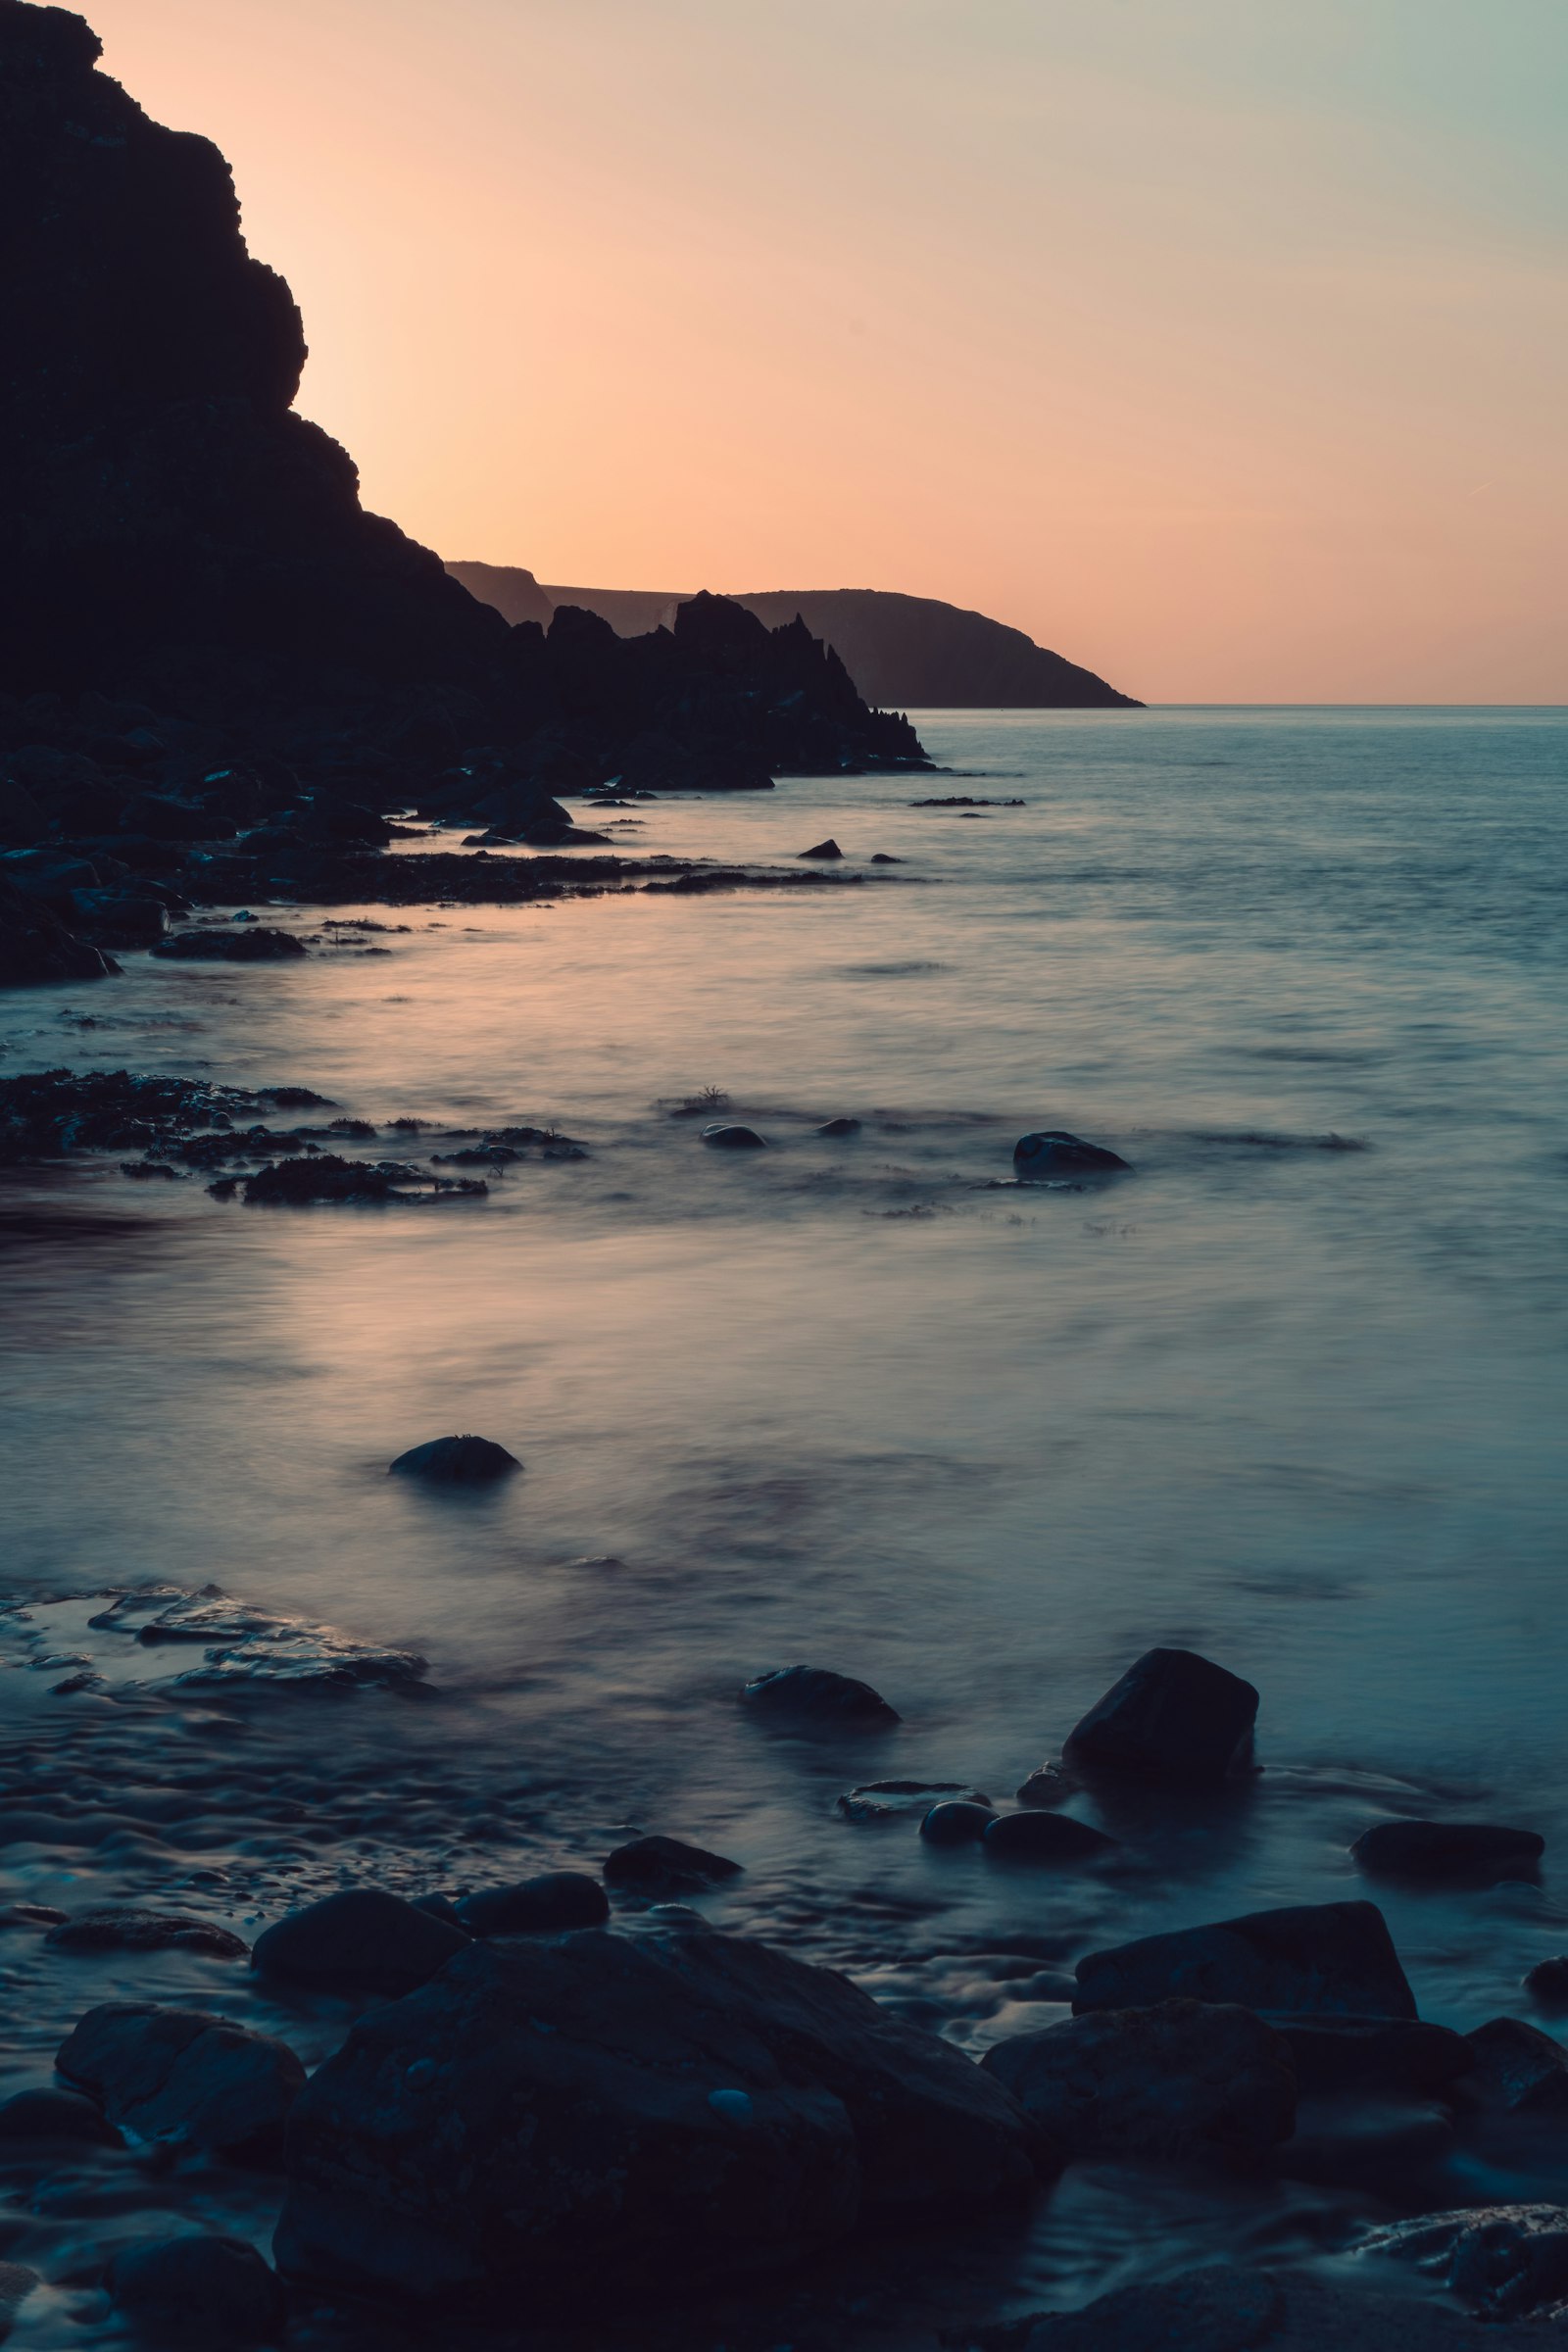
(912, 652)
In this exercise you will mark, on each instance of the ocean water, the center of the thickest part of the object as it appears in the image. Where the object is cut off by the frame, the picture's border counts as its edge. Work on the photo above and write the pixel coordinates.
(1291, 1393)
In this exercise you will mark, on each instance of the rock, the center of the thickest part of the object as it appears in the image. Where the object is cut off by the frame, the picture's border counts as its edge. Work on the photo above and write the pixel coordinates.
(1352, 2139)
(1180, 2079)
(727, 1135)
(35, 944)
(360, 1940)
(198, 2289)
(1469, 1850)
(1226, 2309)
(1173, 1716)
(1548, 1982)
(960, 1821)
(838, 1127)
(546, 1905)
(1048, 1785)
(181, 2076)
(256, 944)
(126, 1930)
(121, 918)
(31, 1915)
(1044, 1838)
(318, 1176)
(1517, 2067)
(440, 1906)
(546, 2112)
(17, 2283)
(815, 1695)
(1321, 1958)
(456, 1462)
(55, 2115)
(1506, 2260)
(886, 1800)
(823, 848)
(882, 857)
(1371, 2053)
(662, 1866)
(1052, 1155)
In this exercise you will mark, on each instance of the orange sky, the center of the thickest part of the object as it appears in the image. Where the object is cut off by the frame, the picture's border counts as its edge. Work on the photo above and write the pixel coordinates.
(1221, 347)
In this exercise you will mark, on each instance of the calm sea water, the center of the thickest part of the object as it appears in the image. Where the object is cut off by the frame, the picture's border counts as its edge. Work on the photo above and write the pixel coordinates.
(1292, 1393)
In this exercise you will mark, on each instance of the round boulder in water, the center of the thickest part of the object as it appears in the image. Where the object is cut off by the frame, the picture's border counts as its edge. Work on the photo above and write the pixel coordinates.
(1052, 1153)
(839, 1127)
(456, 1462)
(956, 1823)
(1044, 1838)
(815, 1695)
(727, 1135)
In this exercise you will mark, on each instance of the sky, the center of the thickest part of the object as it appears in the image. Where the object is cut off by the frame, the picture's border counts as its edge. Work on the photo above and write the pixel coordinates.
(1221, 345)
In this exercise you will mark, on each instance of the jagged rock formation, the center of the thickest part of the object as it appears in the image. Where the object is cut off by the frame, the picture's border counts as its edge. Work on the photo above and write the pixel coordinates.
(909, 652)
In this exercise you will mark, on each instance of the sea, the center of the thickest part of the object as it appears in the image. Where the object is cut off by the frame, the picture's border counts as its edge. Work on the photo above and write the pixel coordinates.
(1290, 1392)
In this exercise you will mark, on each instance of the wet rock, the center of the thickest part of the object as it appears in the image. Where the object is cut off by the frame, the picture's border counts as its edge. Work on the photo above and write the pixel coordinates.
(55, 2115)
(957, 1822)
(17, 2283)
(727, 1135)
(1226, 2309)
(1468, 1850)
(36, 945)
(181, 2076)
(128, 1930)
(360, 1940)
(120, 918)
(1173, 1716)
(1180, 2079)
(1052, 1155)
(815, 1695)
(839, 1127)
(1044, 1838)
(1352, 2139)
(1321, 1958)
(546, 1905)
(198, 2289)
(662, 1866)
(885, 1800)
(1516, 2067)
(645, 2111)
(1548, 1980)
(1506, 2260)
(440, 1906)
(1048, 1785)
(465, 1461)
(882, 857)
(259, 943)
(1371, 2053)
(825, 849)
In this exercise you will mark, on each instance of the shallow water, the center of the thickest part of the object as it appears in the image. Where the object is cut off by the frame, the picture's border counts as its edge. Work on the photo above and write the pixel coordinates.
(1292, 1393)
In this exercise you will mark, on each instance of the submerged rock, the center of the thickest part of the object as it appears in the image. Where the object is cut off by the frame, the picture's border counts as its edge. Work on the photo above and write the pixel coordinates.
(259, 943)
(727, 1135)
(886, 1800)
(1517, 2067)
(181, 2076)
(1548, 1982)
(958, 1822)
(837, 1127)
(1179, 2079)
(362, 1939)
(56, 2115)
(1044, 1838)
(1506, 2260)
(198, 2289)
(1332, 1958)
(1470, 1850)
(1174, 1716)
(1052, 1155)
(546, 1905)
(826, 849)
(641, 2112)
(128, 1930)
(815, 1695)
(456, 1462)
(664, 1865)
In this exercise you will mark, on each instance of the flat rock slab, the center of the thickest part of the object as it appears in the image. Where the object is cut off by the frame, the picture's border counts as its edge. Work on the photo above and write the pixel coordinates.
(181, 2076)
(1321, 1958)
(136, 1930)
(661, 1866)
(887, 1800)
(1506, 2261)
(1174, 1716)
(1465, 1850)
(360, 1941)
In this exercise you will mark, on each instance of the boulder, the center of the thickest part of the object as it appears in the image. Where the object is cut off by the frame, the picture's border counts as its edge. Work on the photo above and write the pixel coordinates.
(252, 943)
(1322, 1958)
(1506, 2260)
(641, 2112)
(124, 1929)
(957, 1822)
(1044, 1838)
(1473, 1851)
(1377, 2141)
(1180, 2079)
(1371, 2053)
(1173, 1716)
(199, 2289)
(546, 1905)
(1051, 1155)
(360, 1940)
(456, 1462)
(815, 1695)
(1548, 1980)
(887, 1800)
(1048, 1785)
(55, 2115)
(180, 2076)
(825, 849)
(35, 944)
(727, 1135)
(1226, 2309)
(1517, 2067)
(838, 1127)
(662, 1866)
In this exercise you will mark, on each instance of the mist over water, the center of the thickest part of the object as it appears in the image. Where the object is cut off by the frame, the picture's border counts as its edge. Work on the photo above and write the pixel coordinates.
(1290, 1393)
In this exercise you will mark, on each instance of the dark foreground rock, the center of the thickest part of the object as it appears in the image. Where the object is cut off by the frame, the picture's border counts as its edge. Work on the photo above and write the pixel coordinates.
(1506, 2261)
(259, 942)
(1548, 1981)
(546, 1905)
(128, 1930)
(1472, 1851)
(664, 1865)
(1053, 1156)
(36, 945)
(1044, 1838)
(1372, 2054)
(180, 2076)
(1230, 2310)
(593, 2115)
(465, 1461)
(1334, 1958)
(1516, 2067)
(1180, 2079)
(815, 1695)
(198, 2289)
(55, 2115)
(360, 1941)
(1174, 1716)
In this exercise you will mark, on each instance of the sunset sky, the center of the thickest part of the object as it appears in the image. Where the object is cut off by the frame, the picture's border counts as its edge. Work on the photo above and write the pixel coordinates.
(1220, 346)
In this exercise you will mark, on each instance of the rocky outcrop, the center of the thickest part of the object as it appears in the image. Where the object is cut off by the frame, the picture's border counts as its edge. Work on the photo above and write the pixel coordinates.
(1333, 1959)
